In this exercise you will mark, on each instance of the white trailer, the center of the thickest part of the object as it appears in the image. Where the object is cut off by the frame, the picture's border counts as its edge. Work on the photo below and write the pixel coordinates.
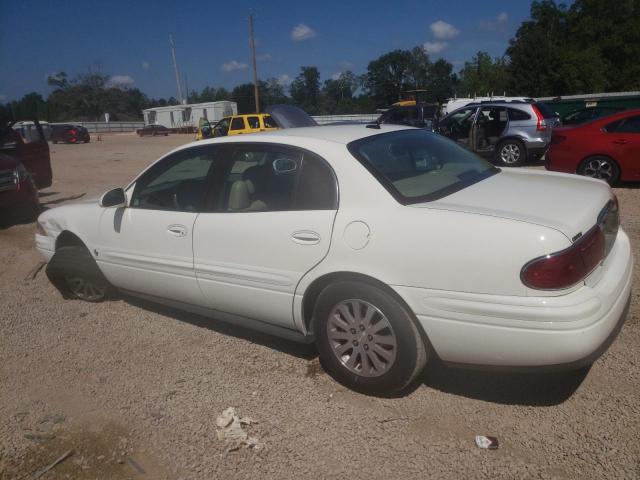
(182, 116)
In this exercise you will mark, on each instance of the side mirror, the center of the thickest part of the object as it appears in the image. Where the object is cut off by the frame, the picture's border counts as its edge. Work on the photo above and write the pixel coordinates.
(114, 198)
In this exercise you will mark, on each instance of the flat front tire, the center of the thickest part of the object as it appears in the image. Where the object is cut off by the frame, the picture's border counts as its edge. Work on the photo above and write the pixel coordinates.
(74, 272)
(367, 339)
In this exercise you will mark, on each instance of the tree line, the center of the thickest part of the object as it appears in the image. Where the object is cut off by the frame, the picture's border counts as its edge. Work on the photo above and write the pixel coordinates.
(590, 46)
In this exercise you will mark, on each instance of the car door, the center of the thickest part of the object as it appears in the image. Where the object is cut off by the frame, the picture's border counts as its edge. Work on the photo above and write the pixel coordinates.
(624, 141)
(237, 126)
(270, 222)
(458, 126)
(491, 122)
(147, 246)
(32, 149)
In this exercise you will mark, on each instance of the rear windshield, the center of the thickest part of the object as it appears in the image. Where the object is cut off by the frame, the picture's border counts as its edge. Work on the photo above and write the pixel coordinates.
(417, 166)
(545, 110)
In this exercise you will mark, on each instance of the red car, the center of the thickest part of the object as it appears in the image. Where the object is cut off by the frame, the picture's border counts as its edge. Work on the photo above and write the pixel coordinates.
(18, 194)
(69, 134)
(607, 148)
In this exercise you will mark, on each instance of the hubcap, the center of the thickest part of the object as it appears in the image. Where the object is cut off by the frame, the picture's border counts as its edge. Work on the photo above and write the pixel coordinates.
(85, 289)
(599, 168)
(510, 153)
(361, 337)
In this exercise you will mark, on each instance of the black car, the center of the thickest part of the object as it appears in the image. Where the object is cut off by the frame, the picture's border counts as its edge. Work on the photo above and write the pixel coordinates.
(420, 115)
(67, 133)
(587, 114)
(153, 130)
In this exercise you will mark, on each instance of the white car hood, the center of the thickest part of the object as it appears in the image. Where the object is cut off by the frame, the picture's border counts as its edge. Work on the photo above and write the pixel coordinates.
(567, 203)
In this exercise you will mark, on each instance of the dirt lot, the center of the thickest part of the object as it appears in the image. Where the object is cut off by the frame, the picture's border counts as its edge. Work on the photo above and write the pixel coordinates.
(132, 387)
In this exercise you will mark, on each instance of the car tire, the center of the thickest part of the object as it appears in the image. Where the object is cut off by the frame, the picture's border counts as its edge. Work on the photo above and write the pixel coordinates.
(387, 350)
(601, 167)
(74, 272)
(511, 153)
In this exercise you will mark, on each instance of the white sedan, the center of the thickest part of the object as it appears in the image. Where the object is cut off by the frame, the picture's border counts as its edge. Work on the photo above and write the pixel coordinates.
(387, 246)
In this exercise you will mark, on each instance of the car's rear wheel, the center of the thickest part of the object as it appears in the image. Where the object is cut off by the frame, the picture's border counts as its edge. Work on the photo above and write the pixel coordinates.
(511, 153)
(74, 272)
(600, 167)
(367, 339)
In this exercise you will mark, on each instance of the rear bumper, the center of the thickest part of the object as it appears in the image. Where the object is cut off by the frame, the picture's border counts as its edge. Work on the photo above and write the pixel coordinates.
(565, 331)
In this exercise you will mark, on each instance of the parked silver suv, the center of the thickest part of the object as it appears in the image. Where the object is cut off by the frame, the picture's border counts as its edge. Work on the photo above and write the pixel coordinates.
(512, 133)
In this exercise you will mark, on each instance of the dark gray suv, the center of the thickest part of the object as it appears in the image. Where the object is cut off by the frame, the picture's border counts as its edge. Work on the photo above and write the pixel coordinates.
(512, 132)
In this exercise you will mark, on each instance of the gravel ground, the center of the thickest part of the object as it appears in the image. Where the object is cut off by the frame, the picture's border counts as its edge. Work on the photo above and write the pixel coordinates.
(134, 387)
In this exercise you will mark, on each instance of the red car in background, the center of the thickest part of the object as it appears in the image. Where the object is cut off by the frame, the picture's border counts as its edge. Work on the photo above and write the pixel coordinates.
(607, 148)
(67, 133)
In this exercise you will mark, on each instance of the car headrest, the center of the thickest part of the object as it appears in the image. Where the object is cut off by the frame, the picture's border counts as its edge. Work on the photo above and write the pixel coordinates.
(239, 195)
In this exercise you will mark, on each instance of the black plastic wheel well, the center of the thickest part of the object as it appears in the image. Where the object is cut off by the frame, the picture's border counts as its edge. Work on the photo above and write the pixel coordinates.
(313, 292)
(68, 239)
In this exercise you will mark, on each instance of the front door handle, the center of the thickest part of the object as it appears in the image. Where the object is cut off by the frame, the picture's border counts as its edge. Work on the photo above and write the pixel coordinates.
(305, 237)
(177, 230)
(621, 141)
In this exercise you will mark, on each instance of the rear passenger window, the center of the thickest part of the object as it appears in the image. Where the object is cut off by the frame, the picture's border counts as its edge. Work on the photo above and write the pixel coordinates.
(253, 122)
(237, 123)
(268, 178)
(516, 115)
(629, 125)
(268, 122)
(316, 186)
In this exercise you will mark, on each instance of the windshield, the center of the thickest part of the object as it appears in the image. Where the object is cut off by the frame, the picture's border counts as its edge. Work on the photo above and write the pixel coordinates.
(417, 166)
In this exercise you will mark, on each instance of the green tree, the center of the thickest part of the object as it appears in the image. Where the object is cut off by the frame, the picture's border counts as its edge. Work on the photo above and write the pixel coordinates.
(483, 75)
(396, 71)
(590, 47)
(338, 93)
(305, 90)
(441, 82)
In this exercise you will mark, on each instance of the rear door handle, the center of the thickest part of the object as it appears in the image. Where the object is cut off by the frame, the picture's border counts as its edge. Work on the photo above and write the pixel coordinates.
(177, 230)
(621, 141)
(305, 237)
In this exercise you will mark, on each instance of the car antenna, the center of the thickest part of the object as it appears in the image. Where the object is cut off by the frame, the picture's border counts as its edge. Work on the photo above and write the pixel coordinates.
(375, 125)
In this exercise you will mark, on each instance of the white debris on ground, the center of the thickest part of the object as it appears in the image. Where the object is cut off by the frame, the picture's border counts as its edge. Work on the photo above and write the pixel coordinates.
(230, 430)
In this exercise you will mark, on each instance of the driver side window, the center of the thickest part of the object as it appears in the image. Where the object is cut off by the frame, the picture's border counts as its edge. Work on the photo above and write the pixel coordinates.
(177, 183)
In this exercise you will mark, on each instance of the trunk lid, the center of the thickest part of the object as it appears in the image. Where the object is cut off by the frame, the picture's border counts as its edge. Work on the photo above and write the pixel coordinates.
(568, 203)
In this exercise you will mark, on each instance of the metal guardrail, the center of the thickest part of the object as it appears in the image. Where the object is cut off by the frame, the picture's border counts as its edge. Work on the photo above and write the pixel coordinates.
(120, 127)
(356, 118)
(106, 127)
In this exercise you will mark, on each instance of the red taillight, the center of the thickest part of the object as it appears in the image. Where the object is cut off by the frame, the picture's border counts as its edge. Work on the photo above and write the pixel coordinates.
(73, 132)
(556, 139)
(568, 267)
(541, 126)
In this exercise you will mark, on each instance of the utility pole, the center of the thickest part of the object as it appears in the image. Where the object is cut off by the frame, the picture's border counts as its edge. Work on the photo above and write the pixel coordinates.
(186, 87)
(175, 67)
(252, 41)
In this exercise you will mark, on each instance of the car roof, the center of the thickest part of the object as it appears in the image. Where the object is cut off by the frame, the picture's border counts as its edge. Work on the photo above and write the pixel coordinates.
(342, 134)
(619, 115)
(248, 115)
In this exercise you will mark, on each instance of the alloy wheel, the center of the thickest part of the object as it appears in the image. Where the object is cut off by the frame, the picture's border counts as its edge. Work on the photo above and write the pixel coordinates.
(85, 289)
(599, 168)
(361, 337)
(510, 153)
